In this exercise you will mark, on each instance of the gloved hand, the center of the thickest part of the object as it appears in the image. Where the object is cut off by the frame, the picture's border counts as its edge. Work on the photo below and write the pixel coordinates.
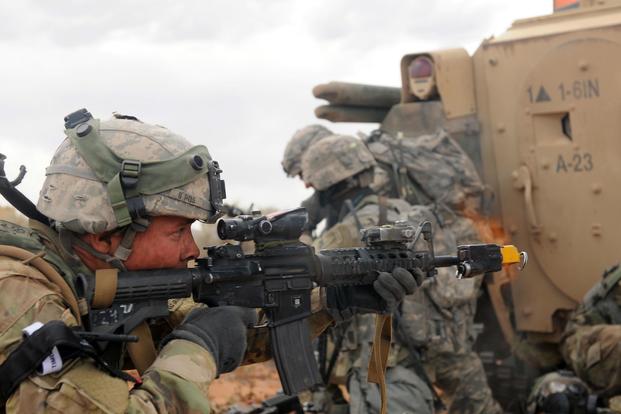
(220, 330)
(384, 296)
(393, 287)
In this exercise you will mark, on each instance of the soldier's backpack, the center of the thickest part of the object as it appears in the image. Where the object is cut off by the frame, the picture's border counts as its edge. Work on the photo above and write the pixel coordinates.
(427, 169)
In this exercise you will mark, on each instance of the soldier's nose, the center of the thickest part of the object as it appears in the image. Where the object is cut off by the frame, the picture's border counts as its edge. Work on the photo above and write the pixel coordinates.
(190, 250)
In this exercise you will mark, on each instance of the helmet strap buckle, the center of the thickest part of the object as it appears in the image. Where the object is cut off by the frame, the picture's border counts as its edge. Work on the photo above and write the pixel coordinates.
(130, 171)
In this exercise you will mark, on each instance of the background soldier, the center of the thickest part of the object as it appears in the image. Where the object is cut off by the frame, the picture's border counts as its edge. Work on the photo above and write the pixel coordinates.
(591, 342)
(297, 146)
(292, 165)
(106, 211)
(422, 170)
(341, 169)
(590, 347)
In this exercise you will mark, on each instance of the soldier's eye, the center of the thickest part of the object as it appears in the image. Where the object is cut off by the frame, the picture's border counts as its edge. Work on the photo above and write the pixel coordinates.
(177, 233)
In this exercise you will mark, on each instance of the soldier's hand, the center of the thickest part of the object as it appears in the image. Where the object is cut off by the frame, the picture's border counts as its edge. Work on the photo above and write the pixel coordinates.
(220, 330)
(383, 297)
(392, 287)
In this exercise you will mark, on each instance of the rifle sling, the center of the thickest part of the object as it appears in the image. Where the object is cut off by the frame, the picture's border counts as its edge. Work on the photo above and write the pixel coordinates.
(142, 353)
(379, 356)
(105, 288)
(352, 210)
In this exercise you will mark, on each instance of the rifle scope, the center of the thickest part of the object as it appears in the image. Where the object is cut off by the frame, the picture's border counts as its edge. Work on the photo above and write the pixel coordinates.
(283, 225)
(243, 228)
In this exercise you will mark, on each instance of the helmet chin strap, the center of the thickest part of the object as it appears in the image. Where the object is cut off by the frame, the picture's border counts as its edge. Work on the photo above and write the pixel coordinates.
(121, 253)
(124, 249)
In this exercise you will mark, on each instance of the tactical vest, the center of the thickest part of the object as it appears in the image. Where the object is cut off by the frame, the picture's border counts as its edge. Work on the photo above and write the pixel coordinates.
(35, 247)
(39, 240)
(600, 304)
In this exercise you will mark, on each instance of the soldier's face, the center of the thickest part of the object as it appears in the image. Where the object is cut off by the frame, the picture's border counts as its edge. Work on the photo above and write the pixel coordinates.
(167, 243)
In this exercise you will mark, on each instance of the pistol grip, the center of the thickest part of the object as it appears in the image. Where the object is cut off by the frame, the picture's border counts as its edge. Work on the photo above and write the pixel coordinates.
(294, 356)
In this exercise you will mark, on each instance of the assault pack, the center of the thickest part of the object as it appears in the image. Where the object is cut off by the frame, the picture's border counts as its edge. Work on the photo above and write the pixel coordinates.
(427, 169)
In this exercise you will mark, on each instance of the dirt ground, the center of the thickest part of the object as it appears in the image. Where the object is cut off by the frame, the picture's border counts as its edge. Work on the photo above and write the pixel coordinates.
(247, 385)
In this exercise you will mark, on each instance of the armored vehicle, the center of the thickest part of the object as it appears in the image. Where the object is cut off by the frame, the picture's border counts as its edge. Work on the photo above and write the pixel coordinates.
(536, 109)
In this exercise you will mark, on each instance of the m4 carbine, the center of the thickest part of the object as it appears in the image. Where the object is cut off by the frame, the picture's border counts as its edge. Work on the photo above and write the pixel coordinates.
(279, 278)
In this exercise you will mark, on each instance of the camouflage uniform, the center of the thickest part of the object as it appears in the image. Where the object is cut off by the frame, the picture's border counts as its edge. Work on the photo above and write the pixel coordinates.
(78, 200)
(406, 391)
(590, 345)
(440, 320)
(427, 169)
(176, 381)
(437, 320)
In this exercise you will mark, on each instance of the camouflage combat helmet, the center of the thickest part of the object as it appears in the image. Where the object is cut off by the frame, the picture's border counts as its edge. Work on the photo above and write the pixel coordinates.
(334, 159)
(298, 144)
(559, 389)
(117, 173)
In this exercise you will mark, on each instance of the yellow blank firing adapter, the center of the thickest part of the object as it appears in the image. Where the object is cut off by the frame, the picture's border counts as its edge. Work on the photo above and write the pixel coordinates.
(511, 255)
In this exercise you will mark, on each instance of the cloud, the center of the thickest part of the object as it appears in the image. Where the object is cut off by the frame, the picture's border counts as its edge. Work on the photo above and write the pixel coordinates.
(234, 75)
(77, 23)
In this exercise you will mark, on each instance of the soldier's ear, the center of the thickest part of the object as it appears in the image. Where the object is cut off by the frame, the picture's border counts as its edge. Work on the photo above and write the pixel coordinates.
(101, 242)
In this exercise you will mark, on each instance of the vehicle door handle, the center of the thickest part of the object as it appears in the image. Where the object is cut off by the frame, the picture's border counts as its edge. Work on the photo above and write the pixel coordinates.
(522, 181)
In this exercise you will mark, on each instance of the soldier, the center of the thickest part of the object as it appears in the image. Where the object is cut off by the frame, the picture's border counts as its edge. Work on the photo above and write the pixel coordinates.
(292, 165)
(437, 320)
(590, 343)
(561, 392)
(426, 169)
(297, 146)
(118, 194)
(590, 348)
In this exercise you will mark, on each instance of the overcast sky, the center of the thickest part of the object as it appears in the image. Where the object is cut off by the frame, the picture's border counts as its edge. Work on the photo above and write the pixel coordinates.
(235, 75)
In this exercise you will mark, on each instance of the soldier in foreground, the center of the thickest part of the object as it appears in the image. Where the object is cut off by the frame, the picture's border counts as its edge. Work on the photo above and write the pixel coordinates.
(118, 194)
(434, 325)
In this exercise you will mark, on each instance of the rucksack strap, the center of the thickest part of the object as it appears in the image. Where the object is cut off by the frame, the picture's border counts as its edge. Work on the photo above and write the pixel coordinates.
(53, 338)
(382, 203)
(352, 210)
(416, 360)
(49, 272)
